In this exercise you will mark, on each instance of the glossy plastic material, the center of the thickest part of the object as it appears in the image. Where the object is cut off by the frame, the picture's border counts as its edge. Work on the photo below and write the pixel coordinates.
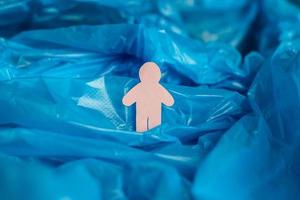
(258, 158)
(198, 19)
(233, 132)
(280, 22)
(62, 113)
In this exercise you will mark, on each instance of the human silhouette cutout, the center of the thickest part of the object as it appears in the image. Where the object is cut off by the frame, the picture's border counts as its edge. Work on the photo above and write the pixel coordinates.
(148, 95)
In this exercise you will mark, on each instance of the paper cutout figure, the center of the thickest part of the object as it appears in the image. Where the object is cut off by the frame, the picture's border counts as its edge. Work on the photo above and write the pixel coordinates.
(148, 95)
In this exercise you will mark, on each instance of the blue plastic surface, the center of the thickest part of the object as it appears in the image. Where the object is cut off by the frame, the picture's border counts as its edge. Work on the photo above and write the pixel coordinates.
(259, 154)
(197, 19)
(280, 22)
(233, 132)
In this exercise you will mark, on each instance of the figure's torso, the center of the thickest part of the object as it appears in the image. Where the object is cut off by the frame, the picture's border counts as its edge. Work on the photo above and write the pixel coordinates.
(149, 99)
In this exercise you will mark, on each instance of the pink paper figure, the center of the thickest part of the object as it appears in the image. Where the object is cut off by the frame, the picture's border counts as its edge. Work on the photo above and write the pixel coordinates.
(148, 95)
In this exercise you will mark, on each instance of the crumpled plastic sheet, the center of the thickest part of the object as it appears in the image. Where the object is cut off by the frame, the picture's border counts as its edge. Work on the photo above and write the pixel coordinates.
(65, 91)
(232, 133)
(259, 154)
(199, 19)
(121, 49)
(280, 20)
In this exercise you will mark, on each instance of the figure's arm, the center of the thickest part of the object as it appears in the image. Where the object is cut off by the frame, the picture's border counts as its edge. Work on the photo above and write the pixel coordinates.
(130, 97)
(166, 97)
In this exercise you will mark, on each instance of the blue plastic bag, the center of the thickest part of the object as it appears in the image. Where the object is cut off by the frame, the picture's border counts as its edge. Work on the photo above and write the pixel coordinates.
(120, 50)
(231, 134)
(259, 154)
(280, 23)
(62, 99)
(197, 19)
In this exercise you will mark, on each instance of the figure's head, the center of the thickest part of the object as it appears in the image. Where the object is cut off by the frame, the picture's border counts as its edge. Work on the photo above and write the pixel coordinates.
(149, 72)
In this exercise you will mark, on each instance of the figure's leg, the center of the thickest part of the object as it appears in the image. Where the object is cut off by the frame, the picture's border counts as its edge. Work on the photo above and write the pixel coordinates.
(141, 122)
(154, 120)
